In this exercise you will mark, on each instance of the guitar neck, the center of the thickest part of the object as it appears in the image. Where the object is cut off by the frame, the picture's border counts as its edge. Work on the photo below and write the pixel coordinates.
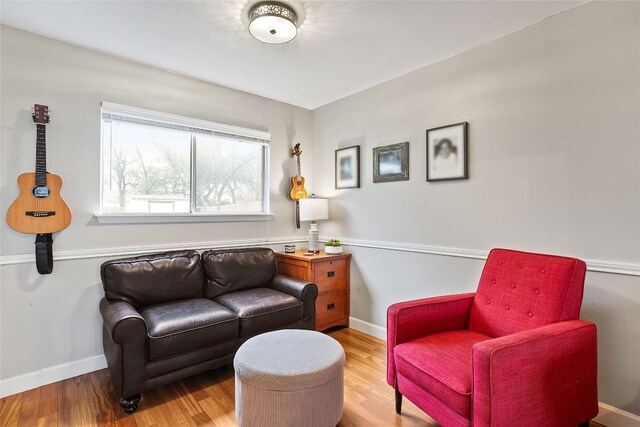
(298, 174)
(41, 156)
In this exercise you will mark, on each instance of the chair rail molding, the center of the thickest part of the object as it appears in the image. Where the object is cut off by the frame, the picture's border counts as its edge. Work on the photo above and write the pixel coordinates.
(141, 250)
(599, 266)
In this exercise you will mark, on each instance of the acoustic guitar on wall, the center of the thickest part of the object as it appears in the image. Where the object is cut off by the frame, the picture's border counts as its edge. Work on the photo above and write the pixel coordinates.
(297, 184)
(39, 209)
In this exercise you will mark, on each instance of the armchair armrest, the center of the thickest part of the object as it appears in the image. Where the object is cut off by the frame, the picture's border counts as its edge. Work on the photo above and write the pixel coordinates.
(413, 319)
(122, 321)
(541, 374)
(305, 291)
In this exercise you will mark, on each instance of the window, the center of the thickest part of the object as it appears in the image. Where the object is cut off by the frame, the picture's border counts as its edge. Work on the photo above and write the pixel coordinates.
(162, 165)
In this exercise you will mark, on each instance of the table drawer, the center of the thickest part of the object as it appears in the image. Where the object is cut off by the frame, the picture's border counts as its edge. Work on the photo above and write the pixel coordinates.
(331, 306)
(330, 275)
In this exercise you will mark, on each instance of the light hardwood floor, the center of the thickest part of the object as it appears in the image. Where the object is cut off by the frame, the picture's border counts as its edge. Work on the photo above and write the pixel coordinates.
(208, 399)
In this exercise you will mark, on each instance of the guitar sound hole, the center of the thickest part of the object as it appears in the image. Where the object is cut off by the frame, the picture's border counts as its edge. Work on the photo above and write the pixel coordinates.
(41, 192)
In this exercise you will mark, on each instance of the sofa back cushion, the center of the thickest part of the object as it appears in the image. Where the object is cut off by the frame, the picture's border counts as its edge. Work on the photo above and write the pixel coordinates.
(521, 290)
(237, 269)
(154, 279)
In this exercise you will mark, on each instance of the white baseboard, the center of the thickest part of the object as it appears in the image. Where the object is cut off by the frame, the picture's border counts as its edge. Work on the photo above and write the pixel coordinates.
(368, 328)
(50, 375)
(609, 416)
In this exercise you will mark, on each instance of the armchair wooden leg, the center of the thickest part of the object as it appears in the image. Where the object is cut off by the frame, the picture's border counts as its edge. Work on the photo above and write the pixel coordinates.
(584, 424)
(130, 404)
(398, 402)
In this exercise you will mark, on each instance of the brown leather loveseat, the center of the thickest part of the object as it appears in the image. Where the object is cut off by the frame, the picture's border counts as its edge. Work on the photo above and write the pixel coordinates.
(172, 315)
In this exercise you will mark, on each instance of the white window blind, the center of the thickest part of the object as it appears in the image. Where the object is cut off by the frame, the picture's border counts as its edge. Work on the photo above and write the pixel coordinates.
(157, 164)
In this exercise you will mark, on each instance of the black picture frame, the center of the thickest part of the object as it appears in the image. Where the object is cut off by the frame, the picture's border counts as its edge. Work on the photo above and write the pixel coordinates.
(391, 162)
(448, 152)
(347, 167)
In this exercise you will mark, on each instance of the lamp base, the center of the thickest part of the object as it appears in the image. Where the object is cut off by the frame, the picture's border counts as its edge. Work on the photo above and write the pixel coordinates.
(314, 241)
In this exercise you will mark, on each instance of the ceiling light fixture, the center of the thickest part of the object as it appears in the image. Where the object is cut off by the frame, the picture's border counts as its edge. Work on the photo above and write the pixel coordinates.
(272, 22)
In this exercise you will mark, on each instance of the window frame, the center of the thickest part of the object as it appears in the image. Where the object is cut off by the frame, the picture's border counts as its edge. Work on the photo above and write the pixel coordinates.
(206, 128)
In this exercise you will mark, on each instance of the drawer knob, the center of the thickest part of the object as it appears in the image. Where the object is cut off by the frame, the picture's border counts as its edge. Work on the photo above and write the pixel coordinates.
(331, 306)
(331, 273)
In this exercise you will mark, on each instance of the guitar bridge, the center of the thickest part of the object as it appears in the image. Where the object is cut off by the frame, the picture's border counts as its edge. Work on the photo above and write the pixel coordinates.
(38, 214)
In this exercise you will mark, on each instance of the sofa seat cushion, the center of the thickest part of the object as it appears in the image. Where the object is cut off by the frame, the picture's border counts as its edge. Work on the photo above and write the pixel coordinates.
(181, 326)
(262, 309)
(441, 363)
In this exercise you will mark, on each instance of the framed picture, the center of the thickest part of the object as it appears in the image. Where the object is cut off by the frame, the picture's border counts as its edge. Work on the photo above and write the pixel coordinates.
(448, 152)
(391, 163)
(348, 167)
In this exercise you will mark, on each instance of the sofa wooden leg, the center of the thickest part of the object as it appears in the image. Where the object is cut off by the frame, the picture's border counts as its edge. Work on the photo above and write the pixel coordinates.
(130, 404)
(584, 424)
(398, 402)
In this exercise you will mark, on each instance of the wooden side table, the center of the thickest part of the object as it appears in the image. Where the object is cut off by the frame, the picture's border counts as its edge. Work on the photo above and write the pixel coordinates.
(331, 274)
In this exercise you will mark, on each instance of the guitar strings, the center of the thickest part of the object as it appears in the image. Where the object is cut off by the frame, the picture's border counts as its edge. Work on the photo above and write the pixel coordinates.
(40, 167)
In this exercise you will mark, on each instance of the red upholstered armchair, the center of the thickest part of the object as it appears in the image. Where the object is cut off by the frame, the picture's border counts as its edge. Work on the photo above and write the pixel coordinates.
(511, 354)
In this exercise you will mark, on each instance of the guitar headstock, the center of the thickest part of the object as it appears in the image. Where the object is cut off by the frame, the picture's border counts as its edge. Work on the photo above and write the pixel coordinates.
(296, 150)
(40, 114)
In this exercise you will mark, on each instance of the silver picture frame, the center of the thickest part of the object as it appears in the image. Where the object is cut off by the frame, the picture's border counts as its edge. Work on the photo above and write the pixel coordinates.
(391, 162)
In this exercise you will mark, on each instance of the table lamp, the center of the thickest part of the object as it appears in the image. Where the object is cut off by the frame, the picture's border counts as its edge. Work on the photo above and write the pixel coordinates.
(313, 210)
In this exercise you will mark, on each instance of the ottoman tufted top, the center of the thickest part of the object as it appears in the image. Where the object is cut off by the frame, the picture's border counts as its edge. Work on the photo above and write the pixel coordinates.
(289, 359)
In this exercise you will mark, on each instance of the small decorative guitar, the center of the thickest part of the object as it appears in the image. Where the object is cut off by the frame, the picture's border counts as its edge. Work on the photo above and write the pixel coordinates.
(39, 209)
(297, 184)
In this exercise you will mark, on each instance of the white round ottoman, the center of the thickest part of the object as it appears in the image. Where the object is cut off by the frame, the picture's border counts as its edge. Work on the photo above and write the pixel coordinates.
(289, 378)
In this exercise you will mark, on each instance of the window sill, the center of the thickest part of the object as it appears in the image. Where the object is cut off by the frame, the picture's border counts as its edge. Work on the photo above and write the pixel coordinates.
(177, 218)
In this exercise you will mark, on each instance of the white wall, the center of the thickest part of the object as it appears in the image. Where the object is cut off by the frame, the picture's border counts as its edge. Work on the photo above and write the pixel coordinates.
(53, 320)
(554, 115)
(555, 155)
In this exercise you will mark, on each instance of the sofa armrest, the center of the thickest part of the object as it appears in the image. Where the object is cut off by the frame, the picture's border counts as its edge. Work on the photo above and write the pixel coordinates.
(547, 373)
(125, 342)
(294, 287)
(305, 291)
(409, 320)
(122, 321)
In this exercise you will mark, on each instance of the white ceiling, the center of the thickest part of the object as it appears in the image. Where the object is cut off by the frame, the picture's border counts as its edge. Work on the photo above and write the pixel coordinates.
(342, 47)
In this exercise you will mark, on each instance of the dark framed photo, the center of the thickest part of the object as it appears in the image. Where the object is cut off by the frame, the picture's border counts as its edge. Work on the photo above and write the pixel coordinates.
(348, 167)
(448, 152)
(391, 163)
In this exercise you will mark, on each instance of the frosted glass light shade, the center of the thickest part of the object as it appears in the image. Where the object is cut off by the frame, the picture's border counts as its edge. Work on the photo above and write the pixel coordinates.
(314, 209)
(272, 22)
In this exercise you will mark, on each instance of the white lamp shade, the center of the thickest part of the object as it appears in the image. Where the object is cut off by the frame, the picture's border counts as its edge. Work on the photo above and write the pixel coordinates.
(314, 209)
